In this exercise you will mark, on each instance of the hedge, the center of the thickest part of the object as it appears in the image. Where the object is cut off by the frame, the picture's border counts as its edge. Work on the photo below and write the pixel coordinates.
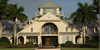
(69, 43)
(29, 43)
(19, 46)
(80, 46)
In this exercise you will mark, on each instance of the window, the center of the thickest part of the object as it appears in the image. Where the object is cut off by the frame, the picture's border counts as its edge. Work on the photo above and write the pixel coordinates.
(96, 29)
(3, 29)
(66, 28)
(30, 22)
(49, 10)
(31, 29)
(49, 29)
(33, 39)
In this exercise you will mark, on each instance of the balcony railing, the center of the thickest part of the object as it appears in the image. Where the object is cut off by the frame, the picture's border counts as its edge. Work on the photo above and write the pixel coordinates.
(49, 33)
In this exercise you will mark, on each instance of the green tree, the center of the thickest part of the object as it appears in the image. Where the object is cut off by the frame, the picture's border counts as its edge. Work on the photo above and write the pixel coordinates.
(3, 4)
(96, 4)
(65, 18)
(33, 18)
(84, 13)
(14, 12)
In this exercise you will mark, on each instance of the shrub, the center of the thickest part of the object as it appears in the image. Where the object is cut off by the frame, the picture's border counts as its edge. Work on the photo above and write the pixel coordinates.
(29, 43)
(4, 42)
(69, 43)
(80, 46)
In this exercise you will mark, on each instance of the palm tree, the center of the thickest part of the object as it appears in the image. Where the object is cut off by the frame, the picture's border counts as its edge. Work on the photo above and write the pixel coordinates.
(84, 13)
(3, 4)
(14, 12)
(96, 4)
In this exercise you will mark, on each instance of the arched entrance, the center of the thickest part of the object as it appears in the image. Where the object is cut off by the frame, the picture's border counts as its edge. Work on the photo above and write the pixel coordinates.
(20, 40)
(78, 39)
(49, 28)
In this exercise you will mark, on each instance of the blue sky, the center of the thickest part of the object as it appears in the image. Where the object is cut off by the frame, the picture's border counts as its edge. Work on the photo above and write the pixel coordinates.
(31, 6)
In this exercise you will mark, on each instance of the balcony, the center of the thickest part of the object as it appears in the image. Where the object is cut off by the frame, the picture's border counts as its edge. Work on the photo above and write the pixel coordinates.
(46, 33)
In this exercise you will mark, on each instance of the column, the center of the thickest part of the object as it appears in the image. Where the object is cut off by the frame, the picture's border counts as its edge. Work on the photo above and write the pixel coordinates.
(39, 39)
(74, 39)
(60, 39)
(17, 40)
(81, 39)
(57, 11)
(24, 39)
(41, 11)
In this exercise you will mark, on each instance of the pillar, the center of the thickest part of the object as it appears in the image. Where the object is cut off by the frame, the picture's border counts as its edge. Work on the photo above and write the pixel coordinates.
(24, 39)
(74, 39)
(57, 11)
(41, 11)
(17, 40)
(60, 39)
(39, 39)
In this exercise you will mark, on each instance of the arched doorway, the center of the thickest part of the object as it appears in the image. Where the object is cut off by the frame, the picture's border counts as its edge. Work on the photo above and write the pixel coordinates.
(49, 28)
(20, 40)
(78, 39)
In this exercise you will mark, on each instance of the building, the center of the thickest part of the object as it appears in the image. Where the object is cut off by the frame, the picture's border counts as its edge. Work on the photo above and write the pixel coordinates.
(48, 24)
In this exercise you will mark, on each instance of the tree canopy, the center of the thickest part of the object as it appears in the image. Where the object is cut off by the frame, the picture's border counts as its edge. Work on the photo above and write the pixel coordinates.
(84, 13)
(14, 12)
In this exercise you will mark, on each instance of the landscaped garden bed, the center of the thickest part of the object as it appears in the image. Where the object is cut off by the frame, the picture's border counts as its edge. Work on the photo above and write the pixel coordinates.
(46, 47)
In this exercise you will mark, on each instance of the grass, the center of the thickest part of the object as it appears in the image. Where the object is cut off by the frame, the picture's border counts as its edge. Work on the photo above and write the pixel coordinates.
(61, 48)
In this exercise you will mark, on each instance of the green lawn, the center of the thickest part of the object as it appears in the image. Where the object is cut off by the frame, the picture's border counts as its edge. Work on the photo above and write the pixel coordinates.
(61, 49)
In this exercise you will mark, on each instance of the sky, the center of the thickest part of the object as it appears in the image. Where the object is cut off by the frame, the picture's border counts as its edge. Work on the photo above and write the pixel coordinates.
(31, 6)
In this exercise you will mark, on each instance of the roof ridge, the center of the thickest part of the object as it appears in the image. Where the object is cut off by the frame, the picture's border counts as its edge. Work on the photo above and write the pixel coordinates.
(48, 2)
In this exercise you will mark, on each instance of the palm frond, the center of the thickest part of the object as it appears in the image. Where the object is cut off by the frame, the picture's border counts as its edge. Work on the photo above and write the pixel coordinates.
(72, 15)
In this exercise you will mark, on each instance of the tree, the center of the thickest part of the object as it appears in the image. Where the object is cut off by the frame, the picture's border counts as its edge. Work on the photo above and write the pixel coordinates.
(14, 12)
(33, 18)
(96, 4)
(65, 18)
(3, 4)
(84, 13)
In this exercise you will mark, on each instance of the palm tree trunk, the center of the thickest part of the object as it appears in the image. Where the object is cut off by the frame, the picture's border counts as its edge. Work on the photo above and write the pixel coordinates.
(84, 31)
(0, 28)
(14, 32)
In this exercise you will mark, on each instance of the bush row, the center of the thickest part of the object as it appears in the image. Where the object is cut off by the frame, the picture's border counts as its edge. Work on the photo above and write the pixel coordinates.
(80, 46)
(19, 46)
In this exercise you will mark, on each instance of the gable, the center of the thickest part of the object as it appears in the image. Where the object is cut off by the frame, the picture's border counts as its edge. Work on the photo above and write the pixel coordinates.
(48, 17)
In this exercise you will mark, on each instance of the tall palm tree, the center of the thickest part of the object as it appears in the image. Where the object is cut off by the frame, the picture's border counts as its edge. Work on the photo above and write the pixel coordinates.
(96, 4)
(14, 12)
(84, 13)
(3, 4)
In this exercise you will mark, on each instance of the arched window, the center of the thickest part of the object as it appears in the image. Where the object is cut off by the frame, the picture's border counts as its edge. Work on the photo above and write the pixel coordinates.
(49, 28)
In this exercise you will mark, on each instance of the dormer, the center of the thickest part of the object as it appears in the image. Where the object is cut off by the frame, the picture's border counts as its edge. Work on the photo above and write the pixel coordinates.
(49, 7)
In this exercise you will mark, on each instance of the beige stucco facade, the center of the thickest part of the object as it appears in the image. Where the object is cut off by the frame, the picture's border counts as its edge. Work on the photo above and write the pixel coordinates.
(34, 28)
(38, 23)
